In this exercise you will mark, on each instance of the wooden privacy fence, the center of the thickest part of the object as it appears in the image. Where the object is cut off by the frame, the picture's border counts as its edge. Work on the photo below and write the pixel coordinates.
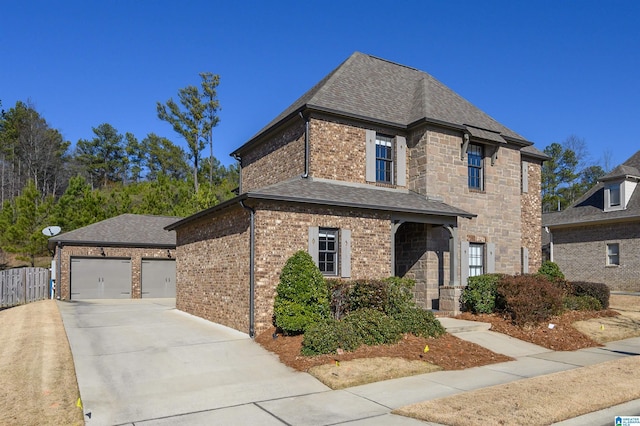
(23, 285)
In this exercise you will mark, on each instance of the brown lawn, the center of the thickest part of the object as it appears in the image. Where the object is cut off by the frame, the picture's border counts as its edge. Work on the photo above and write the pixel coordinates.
(37, 377)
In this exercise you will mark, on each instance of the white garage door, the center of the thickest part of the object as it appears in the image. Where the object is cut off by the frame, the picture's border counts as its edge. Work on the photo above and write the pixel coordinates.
(99, 278)
(158, 278)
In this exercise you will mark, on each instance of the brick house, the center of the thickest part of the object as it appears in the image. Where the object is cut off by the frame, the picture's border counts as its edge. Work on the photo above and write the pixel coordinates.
(127, 256)
(597, 239)
(378, 170)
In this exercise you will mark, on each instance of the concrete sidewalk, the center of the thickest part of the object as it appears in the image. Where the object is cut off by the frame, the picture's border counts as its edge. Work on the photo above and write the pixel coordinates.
(145, 363)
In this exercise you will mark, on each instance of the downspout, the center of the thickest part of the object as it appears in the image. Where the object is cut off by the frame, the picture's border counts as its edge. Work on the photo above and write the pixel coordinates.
(252, 245)
(59, 272)
(306, 146)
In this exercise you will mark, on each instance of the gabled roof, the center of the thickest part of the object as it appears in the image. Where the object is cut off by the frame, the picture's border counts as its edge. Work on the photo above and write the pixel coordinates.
(127, 230)
(372, 89)
(332, 193)
(589, 208)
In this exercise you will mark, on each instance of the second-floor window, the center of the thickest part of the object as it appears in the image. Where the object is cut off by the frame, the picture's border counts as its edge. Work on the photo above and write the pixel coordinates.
(475, 162)
(384, 159)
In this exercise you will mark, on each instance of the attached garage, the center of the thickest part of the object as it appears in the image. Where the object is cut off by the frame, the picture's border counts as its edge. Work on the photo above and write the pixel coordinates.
(98, 278)
(158, 278)
(125, 257)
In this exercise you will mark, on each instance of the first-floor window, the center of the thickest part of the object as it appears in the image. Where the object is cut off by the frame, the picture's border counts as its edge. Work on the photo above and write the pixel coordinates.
(613, 254)
(476, 259)
(328, 251)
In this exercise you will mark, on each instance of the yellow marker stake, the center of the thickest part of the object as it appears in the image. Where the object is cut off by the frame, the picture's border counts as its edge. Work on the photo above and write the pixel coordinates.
(337, 363)
(426, 349)
(79, 403)
(601, 326)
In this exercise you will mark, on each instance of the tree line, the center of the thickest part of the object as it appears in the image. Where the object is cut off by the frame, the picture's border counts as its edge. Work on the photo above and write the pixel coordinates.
(569, 173)
(44, 180)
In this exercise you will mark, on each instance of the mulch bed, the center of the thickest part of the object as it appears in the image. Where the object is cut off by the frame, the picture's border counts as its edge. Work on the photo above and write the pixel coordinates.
(447, 351)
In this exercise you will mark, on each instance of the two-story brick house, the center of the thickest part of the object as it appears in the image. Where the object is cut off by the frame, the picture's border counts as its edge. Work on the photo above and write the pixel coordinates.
(597, 238)
(378, 170)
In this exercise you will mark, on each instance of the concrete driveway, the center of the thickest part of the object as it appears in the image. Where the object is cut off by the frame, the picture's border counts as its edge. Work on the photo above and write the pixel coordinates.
(144, 362)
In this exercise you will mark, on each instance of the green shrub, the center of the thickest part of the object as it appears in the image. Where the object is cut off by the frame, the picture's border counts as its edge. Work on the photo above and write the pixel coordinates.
(374, 327)
(550, 270)
(391, 295)
(582, 303)
(419, 322)
(598, 290)
(367, 294)
(301, 295)
(399, 295)
(530, 299)
(328, 336)
(479, 296)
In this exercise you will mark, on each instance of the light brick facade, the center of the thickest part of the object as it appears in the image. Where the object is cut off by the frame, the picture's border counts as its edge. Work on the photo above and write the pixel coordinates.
(136, 255)
(581, 254)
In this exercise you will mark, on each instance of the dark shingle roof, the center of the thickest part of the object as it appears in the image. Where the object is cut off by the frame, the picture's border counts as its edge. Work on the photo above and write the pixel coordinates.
(380, 91)
(590, 207)
(335, 193)
(340, 194)
(131, 230)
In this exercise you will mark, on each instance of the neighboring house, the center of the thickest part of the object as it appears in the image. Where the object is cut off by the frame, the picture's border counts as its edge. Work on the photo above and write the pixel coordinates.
(378, 170)
(597, 238)
(128, 256)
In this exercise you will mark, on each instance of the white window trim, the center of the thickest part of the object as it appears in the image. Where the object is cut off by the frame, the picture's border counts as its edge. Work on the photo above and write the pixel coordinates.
(608, 255)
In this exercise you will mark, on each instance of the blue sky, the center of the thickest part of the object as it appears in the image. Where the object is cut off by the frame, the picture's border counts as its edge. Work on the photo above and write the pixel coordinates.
(546, 69)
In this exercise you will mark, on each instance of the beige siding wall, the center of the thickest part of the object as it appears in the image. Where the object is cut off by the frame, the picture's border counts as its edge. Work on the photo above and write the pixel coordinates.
(581, 254)
(213, 268)
(281, 158)
(134, 254)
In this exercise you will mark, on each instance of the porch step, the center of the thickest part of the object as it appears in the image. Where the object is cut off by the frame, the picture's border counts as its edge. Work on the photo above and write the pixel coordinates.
(453, 325)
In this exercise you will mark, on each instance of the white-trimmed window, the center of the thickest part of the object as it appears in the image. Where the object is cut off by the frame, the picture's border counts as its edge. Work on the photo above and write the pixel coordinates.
(330, 249)
(613, 254)
(476, 259)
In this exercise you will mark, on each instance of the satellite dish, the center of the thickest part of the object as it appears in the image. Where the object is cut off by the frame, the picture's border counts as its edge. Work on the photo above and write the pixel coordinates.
(50, 231)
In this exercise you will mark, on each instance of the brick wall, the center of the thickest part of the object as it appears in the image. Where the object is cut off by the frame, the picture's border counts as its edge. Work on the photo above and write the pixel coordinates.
(581, 254)
(532, 215)
(213, 268)
(422, 254)
(135, 254)
(281, 158)
(282, 229)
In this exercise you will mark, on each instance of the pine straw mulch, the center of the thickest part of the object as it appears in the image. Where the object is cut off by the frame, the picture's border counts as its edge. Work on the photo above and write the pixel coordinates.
(561, 337)
(448, 352)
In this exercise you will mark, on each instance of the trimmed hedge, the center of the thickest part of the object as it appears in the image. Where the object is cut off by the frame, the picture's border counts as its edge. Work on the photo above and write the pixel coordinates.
(582, 303)
(328, 336)
(479, 296)
(419, 322)
(391, 295)
(374, 327)
(530, 299)
(597, 290)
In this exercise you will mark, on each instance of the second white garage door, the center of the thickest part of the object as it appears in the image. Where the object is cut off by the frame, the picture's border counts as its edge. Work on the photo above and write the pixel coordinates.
(99, 278)
(158, 278)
